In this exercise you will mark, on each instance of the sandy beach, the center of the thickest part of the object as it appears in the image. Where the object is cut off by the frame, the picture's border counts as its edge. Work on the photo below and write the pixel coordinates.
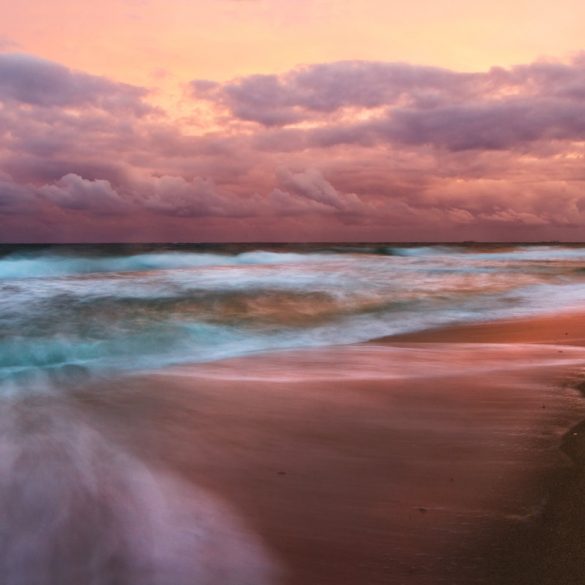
(566, 328)
(421, 459)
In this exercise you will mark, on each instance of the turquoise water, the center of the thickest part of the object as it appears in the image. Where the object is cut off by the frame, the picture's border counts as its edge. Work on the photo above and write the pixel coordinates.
(70, 311)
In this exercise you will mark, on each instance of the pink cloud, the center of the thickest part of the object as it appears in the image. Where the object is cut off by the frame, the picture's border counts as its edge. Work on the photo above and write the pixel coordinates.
(76, 193)
(30, 80)
(351, 150)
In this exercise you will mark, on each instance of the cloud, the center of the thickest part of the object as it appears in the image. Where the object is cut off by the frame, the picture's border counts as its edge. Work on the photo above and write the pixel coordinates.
(175, 195)
(298, 193)
(76, 193)
(312, 185)
(497, 109)
(29, 80)
(279, 100)
(484, 126)
(335, 150)
(15, 198)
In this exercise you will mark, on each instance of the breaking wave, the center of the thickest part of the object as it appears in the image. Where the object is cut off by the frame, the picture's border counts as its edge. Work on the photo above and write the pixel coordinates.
(68, 312)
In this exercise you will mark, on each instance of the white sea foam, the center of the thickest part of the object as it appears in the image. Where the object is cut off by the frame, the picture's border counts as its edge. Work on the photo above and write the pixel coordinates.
(50, 264)
(107, 311)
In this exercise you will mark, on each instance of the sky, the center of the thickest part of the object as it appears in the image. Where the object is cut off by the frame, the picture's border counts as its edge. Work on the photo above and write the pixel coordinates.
(282, 120)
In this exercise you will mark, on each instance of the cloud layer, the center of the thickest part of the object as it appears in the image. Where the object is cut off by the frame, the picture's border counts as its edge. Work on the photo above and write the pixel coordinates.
(349, 150)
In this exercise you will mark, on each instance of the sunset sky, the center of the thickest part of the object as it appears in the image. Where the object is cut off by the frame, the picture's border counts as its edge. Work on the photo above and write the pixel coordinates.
(305, 120)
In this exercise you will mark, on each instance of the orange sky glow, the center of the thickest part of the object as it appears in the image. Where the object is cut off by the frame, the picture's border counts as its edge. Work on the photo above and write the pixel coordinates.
(192, 120)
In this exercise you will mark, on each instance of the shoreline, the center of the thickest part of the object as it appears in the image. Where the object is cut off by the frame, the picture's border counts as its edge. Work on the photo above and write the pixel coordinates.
(382, 475)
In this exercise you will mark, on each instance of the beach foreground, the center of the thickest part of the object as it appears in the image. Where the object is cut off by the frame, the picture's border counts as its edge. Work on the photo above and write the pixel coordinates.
(291, 414)
(419, 460)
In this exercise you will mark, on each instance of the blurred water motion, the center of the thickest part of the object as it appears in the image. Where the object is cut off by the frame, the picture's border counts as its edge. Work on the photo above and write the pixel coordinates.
(76, 509)
(68, 310)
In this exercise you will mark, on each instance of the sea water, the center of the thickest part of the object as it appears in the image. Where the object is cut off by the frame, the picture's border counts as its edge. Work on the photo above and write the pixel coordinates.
(67, 311)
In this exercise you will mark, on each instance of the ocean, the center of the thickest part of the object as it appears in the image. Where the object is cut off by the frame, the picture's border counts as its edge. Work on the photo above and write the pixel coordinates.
(70, 311)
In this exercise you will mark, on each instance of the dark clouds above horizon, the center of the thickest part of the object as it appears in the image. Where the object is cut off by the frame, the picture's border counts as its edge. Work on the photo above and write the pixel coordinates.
(350, 150)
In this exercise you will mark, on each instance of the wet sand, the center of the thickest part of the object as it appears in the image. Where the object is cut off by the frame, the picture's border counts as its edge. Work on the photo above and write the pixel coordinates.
(567, 328)
(423, 459)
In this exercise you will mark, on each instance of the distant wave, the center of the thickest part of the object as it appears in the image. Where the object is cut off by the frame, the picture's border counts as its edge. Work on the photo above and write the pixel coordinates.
(43, 265)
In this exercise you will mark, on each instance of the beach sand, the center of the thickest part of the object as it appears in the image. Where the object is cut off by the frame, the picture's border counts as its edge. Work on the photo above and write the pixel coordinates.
(567, 328)
(421, 459)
